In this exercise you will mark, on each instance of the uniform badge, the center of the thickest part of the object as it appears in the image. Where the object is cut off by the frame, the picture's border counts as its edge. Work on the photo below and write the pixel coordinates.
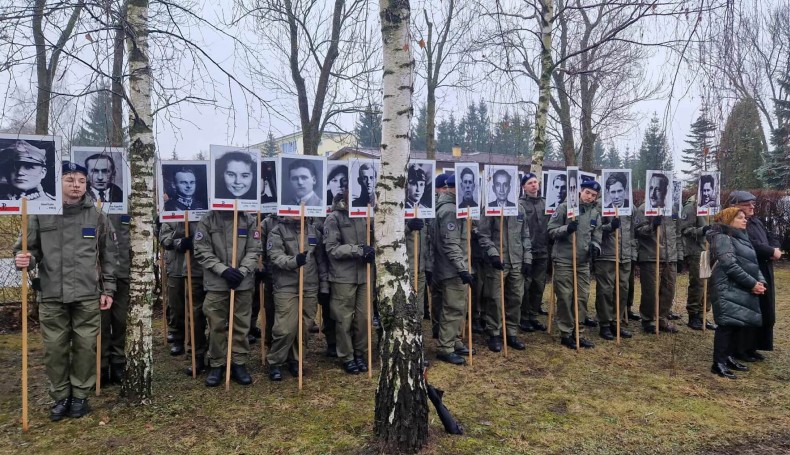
(114, 236)
(450, 226)
(126, 219)
(89, 233)
(312, 240)
(593, 222)
(269, 245)
(520, 217)
(199, 236)
(256, 235)
(242, 233)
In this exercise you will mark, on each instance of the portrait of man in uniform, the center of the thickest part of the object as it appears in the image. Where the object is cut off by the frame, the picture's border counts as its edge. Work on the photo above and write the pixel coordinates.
(185, 185)
(365, 187)
(24, 172)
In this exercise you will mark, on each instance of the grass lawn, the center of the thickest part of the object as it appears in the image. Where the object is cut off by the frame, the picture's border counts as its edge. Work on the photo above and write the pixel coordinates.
(650, 395)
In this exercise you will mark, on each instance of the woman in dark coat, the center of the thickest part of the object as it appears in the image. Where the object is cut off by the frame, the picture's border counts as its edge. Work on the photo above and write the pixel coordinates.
(767, 248)
(736, 285)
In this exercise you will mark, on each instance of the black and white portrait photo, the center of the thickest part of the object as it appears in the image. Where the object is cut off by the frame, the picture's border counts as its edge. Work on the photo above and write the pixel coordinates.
(419, 189)
(268, 185)
(30, 169)
(708, 194)
(108, 175)
(501, 190)
(467, 190)
(336, 181)
(363, 175)
(556, 190)
(572, 174)
(183, 186)
(617, 195)
(302, 182)
(234, 176)
(658, 194)
(677, 196)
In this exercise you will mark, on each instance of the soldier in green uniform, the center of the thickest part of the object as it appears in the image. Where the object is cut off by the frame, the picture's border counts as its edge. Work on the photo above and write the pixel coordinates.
(417, 227)
(671, 251)
(451, 273)
(693, 229)
(344, 242)
(113, 320)
(534, 207)
(173, 238)
(287, 258)
(605, 286)
(213, 246)
(440, 186)
(76, 258)
(264, 276)
(513, 263)
(587, 227)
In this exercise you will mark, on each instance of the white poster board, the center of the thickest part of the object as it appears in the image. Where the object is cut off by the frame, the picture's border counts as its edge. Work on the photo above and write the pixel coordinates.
(658, 196)
(501, 190)
(302, 182)
(556, 190)
(268, 184)
(183, 186)
(420, 196)
(30, 168)
(617, 192)
(234, 177)
(467, 190)
(336, 181)
(572, 174)
(709, 194)
(109, 177)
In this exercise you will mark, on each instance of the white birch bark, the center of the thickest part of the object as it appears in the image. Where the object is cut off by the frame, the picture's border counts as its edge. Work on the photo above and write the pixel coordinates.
(544, 86)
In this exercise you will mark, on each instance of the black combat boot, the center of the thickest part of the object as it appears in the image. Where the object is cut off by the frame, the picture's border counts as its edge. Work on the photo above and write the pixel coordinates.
(59, 409)
(79, 407)
(215, 375)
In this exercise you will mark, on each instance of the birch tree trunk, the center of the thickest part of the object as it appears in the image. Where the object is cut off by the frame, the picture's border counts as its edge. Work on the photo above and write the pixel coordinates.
(544, 85)
(401, 416)
(137, 381)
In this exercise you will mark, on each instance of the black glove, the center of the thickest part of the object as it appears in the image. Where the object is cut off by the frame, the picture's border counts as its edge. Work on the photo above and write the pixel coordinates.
(615, 224)
(466, 277)
(369, 254)
(429, 278)
(656, 222)
(572, 227)
(416, 224)
(233, 277)
(35, 283)
(184, 245)
(705, 230)
(526, 270)
(260, 276)
(595, 251)
(496, 263)
(301, 259)
(681, 266)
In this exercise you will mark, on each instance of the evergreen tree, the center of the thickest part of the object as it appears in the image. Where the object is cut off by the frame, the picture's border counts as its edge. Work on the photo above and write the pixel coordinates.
(270, 146)
(654, 153)
(174, 155)
(419, 133)
(742, 147)
(599, 152)
(368, 130)
(552, 153)
(201, 156)
(612, 158)
(447, 135)
(503, 140)
(628, 159)
(699, 139)
(97, 129)
(482, 135)
(522, 135)
(775, 172)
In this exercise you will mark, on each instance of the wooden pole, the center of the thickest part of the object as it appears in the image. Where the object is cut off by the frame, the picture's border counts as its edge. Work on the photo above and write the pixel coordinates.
(232, 309)
(552, 305)
(471, 287)
(705, 288)
(502, 282)
(25, 423)
(369, 305)
(190, 306)
(98, 335)
(658, 272)
(163, 278)
(575, 290)
(262, 298)
(415, 236)
(301, 296)
(617, 275)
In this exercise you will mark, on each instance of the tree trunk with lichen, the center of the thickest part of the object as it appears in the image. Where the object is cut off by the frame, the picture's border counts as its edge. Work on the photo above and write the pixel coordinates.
(139, 366)
(547, 66)
(401, 416)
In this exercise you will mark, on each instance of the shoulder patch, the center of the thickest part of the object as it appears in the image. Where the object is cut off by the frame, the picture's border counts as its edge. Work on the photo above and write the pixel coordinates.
(126, 219)
(242, 233)
(450, 226)
(312, 240)
(593, 222)
(269, 245)
(554, 215)
(256, 234)
(199, 235)
(114, 236)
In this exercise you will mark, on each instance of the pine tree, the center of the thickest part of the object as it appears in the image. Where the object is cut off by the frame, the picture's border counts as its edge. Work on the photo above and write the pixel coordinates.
(482, 129)
(201, 155)
(654, 153)
(628, 159)
(522, 135)
(742, 147)
(447, 135)
(368, 130)
(599, 152)
(699, 139)
(775, 172)
(97, 129)
(270, 146)
(552, 153)
(612, 159)
(419, 138)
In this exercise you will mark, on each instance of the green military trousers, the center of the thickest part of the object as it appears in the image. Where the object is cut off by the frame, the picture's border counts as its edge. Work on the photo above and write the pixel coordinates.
(349, 310)
(563, 283)
(534, 285)
(216, 306)
(694, 300)
(666, 293)
(286, 325)
(514, 291)
(69, 331)
(113, 326)
(605, 304)
(451, 321)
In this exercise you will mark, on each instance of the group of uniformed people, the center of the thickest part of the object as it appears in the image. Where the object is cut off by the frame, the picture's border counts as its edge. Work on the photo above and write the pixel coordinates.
(83, 262)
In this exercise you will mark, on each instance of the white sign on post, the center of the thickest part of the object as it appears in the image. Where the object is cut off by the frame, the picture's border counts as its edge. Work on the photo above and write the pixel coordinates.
(268, 184)
(234, 176)
(617, 195)
(556, 190)
(658, 197)
(109, 177)
(30, 168)
(708, 199)
(467, 190)
(336, 181)
(363, 175)
(572, 176)
(302, 182)
(420, 196)
(501, 190)
(183, 186)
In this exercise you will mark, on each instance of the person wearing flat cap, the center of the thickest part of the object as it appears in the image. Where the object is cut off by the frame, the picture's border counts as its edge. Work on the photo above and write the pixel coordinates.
(766, 246)
(534, 207)
(24, 167)
(76, 257)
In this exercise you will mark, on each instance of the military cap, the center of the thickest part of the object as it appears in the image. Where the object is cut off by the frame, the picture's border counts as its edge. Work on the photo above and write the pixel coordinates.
(69, 167)
(526, 177)
(592, 185)
(23, 152)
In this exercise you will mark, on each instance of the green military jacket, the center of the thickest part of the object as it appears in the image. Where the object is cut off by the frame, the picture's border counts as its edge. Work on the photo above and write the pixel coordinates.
(628, 244)
(424, 244)
(515, 239)
(122, 226)
(213, 245)
(451, 240)
(589, 232)
(282, 247)
(537, 220)
(671, 240)
(344, 238)
(691, 229)
(69, 250)
(170, 236)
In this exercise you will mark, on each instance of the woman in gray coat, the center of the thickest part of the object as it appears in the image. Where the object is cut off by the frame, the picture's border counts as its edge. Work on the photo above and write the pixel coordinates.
(736, 284)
